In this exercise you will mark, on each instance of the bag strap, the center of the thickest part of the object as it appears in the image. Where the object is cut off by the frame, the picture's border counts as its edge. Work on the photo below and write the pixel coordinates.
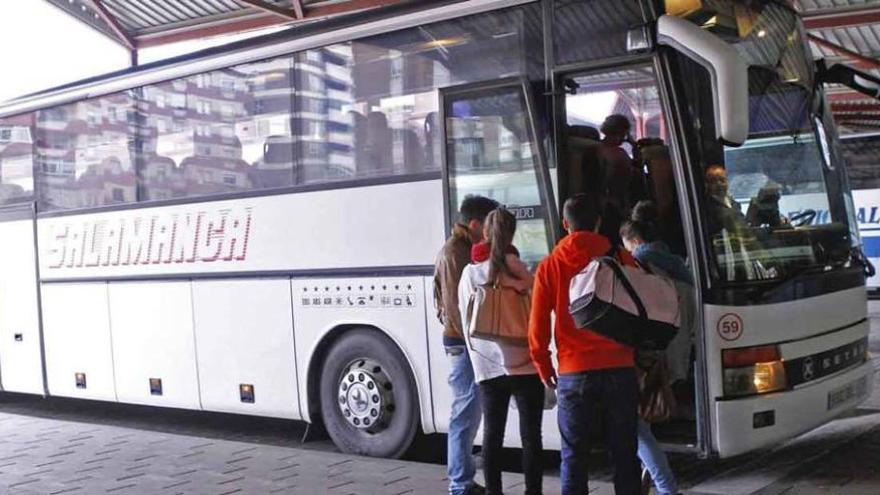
(612, 252)
(618, 271)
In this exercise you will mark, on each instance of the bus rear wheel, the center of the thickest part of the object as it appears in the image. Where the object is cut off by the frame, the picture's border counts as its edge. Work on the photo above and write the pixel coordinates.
(368, 396)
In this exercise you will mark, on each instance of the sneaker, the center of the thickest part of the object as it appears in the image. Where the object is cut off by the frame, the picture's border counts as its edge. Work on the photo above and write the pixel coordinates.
(647, 482)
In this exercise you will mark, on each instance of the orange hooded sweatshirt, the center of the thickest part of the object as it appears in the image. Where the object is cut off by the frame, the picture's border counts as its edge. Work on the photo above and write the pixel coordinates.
(578, 349)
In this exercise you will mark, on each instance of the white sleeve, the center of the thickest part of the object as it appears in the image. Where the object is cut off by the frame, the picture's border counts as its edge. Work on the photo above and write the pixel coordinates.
(465, 290)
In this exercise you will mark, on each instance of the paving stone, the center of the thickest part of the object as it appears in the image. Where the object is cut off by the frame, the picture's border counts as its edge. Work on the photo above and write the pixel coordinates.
(58, 456)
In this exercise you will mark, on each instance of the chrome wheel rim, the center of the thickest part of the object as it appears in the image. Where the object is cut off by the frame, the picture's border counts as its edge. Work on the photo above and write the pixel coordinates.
(365, 396)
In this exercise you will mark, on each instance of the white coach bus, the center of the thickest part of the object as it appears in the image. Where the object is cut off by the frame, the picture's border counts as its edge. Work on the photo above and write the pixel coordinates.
(861, 152)
(252, 229)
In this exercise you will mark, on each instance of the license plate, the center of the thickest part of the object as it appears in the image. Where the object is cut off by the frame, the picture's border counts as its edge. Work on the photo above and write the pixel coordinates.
(848, 392)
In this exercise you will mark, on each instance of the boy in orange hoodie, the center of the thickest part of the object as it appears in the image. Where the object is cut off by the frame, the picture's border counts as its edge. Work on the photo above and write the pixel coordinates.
(597, 385)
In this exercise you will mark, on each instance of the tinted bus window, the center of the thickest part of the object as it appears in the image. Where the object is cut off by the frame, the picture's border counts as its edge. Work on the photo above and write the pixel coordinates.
(363, 109)
(219, 132)
(371, 106)
(16, 159)
(593, 30)
(84, 153)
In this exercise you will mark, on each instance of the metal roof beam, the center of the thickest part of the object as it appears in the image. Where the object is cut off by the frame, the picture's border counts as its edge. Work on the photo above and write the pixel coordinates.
(298, 8)
(294, 14)
(861, 60)
(855, 107)
(846, 95)
(259, 21)
(857, 116)
(113, 23)
(841, 17)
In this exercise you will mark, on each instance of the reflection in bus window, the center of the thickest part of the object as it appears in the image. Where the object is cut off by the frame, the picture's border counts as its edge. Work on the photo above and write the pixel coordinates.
(16, 159)
(490, 153)
(84, 157)
(364, 109)
(593, 30)
(222, 131)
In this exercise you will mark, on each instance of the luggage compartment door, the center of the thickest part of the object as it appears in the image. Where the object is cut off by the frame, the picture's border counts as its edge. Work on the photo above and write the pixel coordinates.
(21, 353)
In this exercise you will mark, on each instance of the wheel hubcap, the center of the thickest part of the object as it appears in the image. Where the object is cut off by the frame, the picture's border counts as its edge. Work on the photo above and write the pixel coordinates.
(365, 396)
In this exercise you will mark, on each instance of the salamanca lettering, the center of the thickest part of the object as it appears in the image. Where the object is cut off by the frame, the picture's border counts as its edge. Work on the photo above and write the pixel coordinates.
(152, 239)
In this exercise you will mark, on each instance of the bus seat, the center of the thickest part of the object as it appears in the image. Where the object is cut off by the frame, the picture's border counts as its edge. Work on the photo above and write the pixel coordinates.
(378, 147)
(413, 154)
(582, 144)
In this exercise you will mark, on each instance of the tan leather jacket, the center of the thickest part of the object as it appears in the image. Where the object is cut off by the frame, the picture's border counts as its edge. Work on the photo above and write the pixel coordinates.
(450, 263)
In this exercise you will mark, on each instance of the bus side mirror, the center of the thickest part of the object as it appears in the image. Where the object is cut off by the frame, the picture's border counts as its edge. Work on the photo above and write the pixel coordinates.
(727, 70)
(863, 82)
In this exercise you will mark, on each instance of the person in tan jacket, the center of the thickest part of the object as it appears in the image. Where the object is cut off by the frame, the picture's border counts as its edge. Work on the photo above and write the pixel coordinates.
(465, 411)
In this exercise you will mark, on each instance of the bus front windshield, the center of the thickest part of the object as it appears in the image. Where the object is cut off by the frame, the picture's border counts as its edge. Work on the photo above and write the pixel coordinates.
(775, 207)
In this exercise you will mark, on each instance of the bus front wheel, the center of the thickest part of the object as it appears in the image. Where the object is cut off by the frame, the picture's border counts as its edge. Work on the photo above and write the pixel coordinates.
(368, 396)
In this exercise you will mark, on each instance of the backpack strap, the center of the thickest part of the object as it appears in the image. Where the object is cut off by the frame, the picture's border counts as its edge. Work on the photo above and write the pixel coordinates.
(612, 252)
(618, 271)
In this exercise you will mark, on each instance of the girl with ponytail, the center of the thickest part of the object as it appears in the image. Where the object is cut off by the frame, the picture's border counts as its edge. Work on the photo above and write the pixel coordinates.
(503, 370)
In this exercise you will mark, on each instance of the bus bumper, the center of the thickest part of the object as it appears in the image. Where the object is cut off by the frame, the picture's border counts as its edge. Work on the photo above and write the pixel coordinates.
(743, 424)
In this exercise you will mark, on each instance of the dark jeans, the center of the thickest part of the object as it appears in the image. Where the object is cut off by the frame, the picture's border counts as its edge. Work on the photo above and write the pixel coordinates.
(592, 400)
(528, 391)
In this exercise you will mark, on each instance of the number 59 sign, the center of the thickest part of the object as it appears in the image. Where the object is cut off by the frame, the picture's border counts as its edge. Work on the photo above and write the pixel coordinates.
(730, 327)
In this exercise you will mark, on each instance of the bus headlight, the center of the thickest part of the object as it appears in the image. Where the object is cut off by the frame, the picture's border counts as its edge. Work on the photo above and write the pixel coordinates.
(752, 371)
(757, 379)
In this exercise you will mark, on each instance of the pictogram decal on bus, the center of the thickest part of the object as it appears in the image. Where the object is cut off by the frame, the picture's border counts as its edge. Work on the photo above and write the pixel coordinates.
(201, 236)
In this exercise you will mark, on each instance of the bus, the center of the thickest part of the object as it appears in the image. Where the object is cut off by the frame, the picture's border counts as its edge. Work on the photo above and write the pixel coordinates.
(860, 151)
(251, 229)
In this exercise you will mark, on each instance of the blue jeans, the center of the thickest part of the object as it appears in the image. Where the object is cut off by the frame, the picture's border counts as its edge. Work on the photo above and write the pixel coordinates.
(464, 420)
(655, 460)
(589, 402)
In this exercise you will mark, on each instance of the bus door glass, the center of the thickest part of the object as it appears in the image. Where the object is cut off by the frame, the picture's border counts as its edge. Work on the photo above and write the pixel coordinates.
(613, 146)
(491, 150)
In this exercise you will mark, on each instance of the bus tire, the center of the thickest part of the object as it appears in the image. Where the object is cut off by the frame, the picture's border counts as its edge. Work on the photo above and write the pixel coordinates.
(369, 402)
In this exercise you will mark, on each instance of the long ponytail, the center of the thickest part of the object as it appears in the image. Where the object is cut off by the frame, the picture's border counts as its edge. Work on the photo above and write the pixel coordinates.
(499, 228)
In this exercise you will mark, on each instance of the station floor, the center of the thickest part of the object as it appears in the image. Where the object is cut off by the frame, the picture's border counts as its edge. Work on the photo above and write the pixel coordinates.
(58, 446)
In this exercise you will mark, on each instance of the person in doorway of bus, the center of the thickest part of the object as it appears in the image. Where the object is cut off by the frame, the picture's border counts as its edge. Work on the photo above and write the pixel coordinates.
(464, 417)
(641, 237)
(503, 370)
(596, 386)
(617, 174)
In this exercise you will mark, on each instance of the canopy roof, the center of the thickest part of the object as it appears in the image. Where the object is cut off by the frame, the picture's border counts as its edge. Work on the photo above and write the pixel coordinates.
(144, 23)
(847, 31)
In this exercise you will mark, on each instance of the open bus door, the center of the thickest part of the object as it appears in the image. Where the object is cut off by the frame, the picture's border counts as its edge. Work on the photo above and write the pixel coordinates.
(491, 148)
(638, 89)
(593, 100)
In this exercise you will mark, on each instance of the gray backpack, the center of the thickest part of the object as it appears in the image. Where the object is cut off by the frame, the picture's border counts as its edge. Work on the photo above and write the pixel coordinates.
(627, 304)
